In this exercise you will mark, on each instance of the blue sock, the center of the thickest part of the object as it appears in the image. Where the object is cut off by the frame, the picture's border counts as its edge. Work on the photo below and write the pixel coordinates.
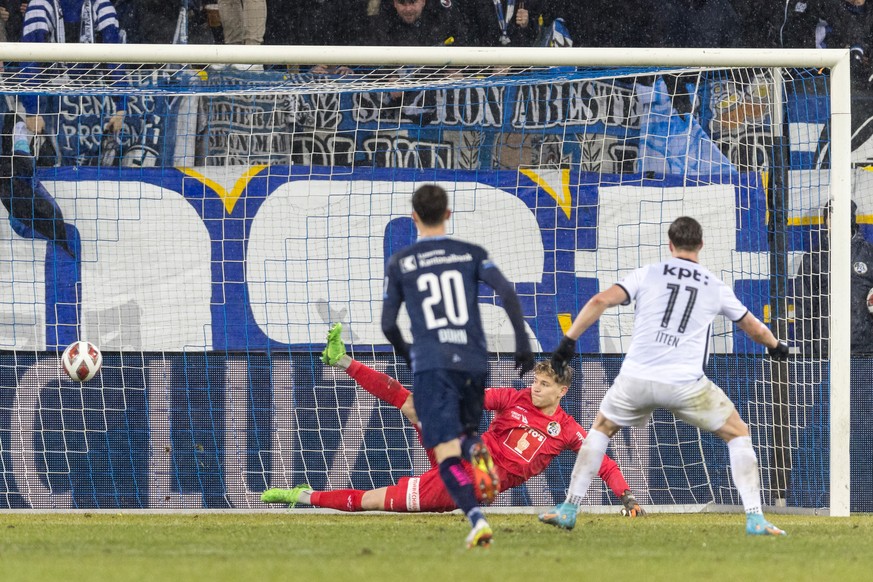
(460, 488)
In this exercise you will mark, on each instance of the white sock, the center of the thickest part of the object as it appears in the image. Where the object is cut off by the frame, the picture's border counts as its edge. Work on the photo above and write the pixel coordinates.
(744, 469)
(587, 464)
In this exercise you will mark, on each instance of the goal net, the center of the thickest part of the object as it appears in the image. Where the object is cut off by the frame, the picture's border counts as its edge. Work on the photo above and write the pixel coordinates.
(207, 247)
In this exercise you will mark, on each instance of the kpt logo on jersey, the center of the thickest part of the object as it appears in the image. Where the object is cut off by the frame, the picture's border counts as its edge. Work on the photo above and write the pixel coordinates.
(407, 264)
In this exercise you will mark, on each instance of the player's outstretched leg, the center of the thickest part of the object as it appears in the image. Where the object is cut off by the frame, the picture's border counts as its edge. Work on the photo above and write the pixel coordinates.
(744, 470)
(288, 496)
(334, 353)
(480, 536)
(562, 515)
(485, 477)
(757, 525)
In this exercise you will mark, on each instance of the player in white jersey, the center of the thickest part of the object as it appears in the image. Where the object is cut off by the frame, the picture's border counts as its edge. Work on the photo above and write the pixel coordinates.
(676, 302)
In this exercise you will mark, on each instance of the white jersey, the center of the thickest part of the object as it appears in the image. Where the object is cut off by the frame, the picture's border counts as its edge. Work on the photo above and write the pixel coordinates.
(676, 302)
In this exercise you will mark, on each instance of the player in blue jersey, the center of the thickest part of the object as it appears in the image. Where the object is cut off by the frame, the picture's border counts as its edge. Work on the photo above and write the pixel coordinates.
(438, 278)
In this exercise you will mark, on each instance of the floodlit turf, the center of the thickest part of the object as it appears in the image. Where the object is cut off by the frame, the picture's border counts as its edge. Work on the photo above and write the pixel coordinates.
(378, 547)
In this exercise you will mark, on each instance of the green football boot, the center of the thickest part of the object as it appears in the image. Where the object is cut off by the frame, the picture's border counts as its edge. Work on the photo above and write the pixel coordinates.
(287, 496)
(335, 349)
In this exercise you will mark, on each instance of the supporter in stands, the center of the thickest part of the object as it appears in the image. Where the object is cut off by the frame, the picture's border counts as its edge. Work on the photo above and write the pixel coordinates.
(826, 24)
(243, 21)
(812, 311)
(831, 24)
(11, 19)
(148, 21)
(505, 22)
(159, 21)
(420, 23)
(85, 21)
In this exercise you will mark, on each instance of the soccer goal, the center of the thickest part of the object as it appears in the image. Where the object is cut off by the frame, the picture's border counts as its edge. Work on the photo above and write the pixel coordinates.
(207, 247)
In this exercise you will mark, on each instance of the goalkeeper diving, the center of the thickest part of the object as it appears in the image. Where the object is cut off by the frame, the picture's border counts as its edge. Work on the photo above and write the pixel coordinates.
(529, 429)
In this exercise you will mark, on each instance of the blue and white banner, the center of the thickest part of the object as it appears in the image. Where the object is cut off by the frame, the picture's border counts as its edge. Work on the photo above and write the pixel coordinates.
(261, 258)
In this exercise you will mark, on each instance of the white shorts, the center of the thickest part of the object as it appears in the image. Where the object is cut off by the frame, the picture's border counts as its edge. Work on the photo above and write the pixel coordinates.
(630, 402)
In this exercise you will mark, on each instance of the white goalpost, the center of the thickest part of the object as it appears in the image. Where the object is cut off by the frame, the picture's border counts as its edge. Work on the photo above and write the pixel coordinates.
(207, 247)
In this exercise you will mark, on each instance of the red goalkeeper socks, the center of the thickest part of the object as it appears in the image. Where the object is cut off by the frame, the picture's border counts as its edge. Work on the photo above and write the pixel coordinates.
(386, 389)
(380, 385)
(341, 499)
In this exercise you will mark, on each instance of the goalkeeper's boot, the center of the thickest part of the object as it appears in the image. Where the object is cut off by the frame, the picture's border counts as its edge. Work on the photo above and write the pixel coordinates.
(485, 478)
(287, 496)
(563, 515)
(480, 536)
(756, 525)
(335, 349)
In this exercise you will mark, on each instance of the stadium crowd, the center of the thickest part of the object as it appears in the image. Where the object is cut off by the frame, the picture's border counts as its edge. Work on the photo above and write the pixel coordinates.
(669, 23)
(492, 23)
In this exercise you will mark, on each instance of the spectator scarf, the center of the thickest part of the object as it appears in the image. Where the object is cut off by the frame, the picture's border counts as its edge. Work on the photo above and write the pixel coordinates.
(86, 26)
(555, 35)
(86, 29)
(503, 22)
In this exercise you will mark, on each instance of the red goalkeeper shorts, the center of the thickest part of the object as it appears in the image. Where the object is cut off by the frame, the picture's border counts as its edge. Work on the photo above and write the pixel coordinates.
(424, 493)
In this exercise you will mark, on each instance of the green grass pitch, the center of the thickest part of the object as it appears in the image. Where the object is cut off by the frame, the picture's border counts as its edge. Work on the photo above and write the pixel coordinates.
(310, 547)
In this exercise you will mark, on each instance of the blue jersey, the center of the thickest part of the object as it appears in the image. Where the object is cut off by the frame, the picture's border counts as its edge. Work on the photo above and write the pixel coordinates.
(438, 279)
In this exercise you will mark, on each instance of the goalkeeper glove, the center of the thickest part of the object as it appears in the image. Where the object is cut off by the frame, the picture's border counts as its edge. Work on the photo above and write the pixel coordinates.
(524, 361)
(631, 507)
(780, 352)
(563, 354)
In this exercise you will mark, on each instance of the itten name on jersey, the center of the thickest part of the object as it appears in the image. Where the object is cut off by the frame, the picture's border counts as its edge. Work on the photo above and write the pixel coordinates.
(667, 339)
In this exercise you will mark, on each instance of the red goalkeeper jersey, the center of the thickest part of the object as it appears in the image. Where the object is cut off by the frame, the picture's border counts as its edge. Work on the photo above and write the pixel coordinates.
(523, 440)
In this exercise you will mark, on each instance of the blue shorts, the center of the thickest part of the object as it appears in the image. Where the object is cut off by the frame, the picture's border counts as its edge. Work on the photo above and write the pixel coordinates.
(448, 403)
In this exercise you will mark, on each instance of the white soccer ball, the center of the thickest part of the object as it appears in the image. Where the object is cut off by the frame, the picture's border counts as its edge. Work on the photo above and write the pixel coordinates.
(81, 361)
(870, 300)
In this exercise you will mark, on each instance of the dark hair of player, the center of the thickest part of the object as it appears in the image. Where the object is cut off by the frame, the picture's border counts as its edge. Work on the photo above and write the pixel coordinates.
(686, 234)
(545, 368)
(430, 203)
